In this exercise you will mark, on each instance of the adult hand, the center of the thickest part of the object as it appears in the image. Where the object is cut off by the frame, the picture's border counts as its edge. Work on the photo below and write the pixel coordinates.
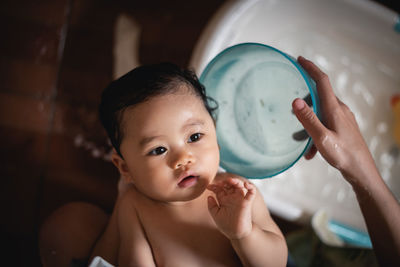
(340, 142)
(339, 139)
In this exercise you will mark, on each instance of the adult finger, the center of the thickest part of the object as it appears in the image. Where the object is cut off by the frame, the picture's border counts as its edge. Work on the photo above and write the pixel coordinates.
(324, 88)
(308, 119)
(311, 153)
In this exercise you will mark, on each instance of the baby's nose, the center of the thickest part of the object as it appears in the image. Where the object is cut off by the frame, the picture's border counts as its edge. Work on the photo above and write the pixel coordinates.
(182, 158)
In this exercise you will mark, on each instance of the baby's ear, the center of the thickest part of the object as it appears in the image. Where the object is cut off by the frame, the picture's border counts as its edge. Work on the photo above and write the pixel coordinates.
(122, 167)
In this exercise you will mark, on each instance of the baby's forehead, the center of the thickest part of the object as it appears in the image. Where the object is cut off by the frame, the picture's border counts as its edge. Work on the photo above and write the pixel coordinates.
(149, 111)
(181, 90)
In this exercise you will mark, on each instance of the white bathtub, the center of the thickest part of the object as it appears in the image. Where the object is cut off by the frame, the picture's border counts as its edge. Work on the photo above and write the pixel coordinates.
(354, 41)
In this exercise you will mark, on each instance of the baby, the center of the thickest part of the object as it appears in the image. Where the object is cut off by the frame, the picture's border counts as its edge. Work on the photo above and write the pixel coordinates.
(175, 209)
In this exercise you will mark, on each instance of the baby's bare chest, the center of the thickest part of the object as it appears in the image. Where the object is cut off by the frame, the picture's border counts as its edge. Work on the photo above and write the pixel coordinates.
(192, 240)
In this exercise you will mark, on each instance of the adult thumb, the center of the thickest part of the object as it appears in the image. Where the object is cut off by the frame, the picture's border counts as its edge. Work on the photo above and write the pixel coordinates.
(308, 119)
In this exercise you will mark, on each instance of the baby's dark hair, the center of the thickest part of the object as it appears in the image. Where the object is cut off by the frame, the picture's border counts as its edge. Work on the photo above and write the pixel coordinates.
(139, 85)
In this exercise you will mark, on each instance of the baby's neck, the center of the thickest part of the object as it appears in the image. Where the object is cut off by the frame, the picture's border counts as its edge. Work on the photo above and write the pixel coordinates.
(195, 203)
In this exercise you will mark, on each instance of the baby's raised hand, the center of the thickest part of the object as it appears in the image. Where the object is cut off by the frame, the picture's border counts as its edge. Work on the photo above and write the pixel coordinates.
(231, 210)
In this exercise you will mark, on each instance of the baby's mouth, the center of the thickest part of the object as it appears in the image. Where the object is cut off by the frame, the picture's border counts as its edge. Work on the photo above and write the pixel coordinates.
(188, 181)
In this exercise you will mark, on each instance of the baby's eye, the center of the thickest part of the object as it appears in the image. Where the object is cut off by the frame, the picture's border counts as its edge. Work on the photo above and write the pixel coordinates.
(158, 151)
(195, 137)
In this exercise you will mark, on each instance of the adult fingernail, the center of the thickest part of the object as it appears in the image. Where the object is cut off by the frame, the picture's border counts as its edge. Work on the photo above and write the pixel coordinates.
(298, 104)
(301, 58)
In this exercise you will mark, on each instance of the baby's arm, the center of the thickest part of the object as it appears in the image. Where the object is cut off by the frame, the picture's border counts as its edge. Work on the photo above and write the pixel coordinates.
(242, 216)
(134, 249)
(340, 142)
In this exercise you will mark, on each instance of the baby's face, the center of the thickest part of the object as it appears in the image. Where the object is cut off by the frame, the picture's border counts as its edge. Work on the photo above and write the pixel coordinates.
(170, 146)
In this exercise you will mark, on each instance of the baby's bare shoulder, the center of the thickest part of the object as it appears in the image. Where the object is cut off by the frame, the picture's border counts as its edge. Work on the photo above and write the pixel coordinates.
(129, 198)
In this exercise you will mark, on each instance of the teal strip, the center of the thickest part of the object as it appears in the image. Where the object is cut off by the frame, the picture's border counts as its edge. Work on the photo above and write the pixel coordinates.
(350, 235)
(397, 25)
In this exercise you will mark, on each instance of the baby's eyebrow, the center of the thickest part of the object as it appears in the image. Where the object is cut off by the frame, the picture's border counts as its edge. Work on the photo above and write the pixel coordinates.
(147, 140)
(190, 123)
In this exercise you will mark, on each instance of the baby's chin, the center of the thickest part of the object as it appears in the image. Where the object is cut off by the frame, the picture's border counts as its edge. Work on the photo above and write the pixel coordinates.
(181, 194)
(188, 194)
(191, 195)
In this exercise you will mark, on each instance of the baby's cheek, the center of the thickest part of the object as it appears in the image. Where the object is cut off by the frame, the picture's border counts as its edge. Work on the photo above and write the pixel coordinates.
(212, 158)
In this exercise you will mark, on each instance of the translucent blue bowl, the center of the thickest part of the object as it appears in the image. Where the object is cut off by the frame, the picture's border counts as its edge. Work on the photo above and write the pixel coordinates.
(254, 85)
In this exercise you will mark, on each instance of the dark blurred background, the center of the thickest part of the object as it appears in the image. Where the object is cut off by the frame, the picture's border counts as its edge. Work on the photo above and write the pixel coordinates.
(56, 57)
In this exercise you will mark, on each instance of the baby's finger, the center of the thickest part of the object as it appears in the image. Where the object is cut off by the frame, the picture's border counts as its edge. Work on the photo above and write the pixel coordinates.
(228, 187)
(237, 183)
(212, 187)
(218, 184)
(213, 207)
(238, 186)
(216, 189)
(232, 180)
(251, 191)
